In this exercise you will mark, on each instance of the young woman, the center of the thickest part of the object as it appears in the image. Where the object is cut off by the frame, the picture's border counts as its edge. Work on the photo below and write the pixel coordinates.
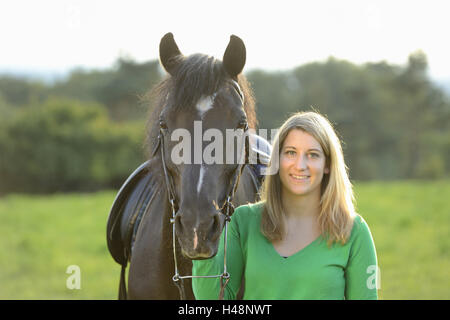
(304, 239)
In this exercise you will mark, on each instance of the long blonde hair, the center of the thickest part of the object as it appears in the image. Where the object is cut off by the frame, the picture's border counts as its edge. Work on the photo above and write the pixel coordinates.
(337, 201)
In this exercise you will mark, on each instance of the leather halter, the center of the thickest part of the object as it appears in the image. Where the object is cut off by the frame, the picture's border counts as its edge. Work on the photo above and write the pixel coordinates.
(227, 210)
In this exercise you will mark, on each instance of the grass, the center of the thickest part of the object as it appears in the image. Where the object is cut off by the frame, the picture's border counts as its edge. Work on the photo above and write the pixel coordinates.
(41, 236)
(410, 223)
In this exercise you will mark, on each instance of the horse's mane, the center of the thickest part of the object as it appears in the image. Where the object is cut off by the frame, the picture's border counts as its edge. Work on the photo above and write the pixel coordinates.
(197, 75)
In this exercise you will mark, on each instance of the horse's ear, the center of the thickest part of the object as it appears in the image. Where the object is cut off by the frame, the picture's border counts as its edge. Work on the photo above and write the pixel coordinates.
(234, 56)
(169, 54)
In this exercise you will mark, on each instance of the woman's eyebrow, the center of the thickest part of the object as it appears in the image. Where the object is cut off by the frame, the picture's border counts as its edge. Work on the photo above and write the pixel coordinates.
(310, 149)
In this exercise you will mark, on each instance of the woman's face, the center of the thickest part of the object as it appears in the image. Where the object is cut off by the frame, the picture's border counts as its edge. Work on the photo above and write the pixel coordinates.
(302, 163)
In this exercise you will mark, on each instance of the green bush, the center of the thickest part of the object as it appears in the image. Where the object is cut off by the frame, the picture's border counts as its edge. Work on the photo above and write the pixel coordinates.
(65, 145)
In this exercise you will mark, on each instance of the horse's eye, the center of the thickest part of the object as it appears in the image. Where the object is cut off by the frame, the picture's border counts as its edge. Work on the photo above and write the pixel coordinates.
(243, 125)
(162, 124)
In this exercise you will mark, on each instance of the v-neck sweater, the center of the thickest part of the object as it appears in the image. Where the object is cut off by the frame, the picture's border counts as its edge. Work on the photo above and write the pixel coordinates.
(315, 272)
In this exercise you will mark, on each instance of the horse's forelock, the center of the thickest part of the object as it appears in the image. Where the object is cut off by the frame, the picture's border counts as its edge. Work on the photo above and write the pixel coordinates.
(199, 75)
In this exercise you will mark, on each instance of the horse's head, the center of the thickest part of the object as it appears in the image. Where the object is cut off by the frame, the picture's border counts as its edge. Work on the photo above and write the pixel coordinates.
(203, 101)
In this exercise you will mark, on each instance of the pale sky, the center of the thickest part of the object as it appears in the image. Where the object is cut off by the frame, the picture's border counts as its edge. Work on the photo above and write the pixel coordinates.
(63, 34)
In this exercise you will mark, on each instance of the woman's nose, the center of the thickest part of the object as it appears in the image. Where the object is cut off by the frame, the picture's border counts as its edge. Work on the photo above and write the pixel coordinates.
(300, 163)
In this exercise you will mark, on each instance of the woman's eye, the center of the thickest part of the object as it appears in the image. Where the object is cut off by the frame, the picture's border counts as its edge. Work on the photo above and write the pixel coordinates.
(314, 155)
(290, 153)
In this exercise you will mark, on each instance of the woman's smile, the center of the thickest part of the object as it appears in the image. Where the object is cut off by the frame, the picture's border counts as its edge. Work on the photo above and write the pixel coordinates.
(299, 178)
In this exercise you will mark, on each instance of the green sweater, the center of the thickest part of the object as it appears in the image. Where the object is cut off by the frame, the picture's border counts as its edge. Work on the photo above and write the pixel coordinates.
(315, 272)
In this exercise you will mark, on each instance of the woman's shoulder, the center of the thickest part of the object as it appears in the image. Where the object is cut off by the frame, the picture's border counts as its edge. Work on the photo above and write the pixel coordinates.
(358, 221)
(360, 227)
(245, 218)
(250, 208)
(249, 211)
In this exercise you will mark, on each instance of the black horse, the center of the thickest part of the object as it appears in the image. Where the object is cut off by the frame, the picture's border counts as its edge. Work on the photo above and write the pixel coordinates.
(198, 90)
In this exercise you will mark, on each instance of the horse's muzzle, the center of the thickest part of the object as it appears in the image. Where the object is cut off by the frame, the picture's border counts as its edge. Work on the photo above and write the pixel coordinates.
(198, 240)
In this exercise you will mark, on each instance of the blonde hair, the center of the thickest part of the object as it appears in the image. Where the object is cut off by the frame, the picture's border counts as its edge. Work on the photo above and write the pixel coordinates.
(336, 202)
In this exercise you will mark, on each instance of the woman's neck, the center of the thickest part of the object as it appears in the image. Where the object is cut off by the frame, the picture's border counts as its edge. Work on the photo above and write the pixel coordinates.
(301, 206)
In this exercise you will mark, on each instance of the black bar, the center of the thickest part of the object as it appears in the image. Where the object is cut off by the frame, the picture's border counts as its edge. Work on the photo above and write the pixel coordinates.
(258, 309)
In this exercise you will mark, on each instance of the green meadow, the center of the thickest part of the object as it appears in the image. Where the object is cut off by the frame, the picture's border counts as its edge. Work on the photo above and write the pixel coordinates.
(41, 236)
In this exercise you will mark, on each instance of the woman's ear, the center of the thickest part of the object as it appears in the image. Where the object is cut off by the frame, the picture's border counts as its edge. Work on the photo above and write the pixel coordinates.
(326, 170)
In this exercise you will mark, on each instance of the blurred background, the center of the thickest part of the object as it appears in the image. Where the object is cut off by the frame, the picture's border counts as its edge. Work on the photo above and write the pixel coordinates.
(73, 81)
